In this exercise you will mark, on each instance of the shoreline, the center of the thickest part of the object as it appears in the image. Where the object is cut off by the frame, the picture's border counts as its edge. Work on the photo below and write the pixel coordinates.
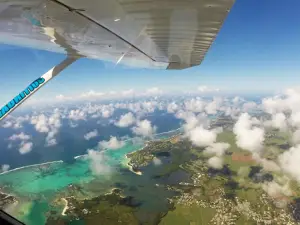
(63, 213)
(168, 131)
(84, 155)
(8, 195)
(111, 191)
(129, 139)
(146, 144)
(128, 163)
(33, 165)
(66, 207)
(130, 167)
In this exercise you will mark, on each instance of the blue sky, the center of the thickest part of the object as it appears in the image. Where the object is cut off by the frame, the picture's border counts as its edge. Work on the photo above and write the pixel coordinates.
(257, 51)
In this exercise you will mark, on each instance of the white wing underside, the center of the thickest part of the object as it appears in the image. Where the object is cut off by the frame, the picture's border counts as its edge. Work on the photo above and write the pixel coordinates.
(174, 34)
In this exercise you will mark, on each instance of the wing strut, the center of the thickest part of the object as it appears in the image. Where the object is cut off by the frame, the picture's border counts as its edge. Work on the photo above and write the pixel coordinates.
(35, 85)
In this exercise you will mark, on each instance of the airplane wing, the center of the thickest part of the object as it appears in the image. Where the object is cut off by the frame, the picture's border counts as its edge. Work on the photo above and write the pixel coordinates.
(174, 34)
(163, 34)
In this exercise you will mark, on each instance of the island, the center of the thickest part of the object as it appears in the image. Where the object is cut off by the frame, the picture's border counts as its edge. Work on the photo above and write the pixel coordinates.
(6, 200)
(170, 182)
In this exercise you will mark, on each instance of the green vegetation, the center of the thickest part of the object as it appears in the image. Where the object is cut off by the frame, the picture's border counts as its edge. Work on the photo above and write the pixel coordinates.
(230, 195)
(239, 185)
(178, 153)
(146, 155)
(160, 148)
(188, 215)
(105, 209)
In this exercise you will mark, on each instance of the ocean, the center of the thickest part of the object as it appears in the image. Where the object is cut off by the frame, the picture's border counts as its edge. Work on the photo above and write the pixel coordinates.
(70, 140)
(40, 180)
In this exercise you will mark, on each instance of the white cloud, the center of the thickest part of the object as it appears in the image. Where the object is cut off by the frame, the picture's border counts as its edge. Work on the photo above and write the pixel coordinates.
(191, 123)
(294, 120)
(248, 137)
(92, 109)
(107, 112)
(126, 120)
(205, 89)
(128, 93)
(22, 137)
(279, 121)
(248, 106)
(77, 115)
(289, 162)
(49, 125)
(91, 135)
(50, 141)
(172, 107)
(134, 107)
(25, 147)
(98, 162)
(5, 167)
(61, 97)
(233, 112)
(7, 124)
(157, 161)
(215, 162)
(217, 148)
(268, 165)
(92, 94)
(72, 124)
(50, 138)
(154, 91)
(185, 115)
(201, 137)
(192, 120)
(54, 123)
(288, 102)
(113, 143)
(144, 128)
(54, 119)
(194, 105)
(218, 130)
(292, 99)
(137, 141)
(236, 100)
(149, 106)
(213, 106)
(112, 92)
(296, 137)
(276, 191)
(41, 123)
(15, 122)
(274, 105)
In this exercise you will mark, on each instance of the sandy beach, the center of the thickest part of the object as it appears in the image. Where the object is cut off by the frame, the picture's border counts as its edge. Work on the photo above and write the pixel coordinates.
(130, 167)
(63, 213)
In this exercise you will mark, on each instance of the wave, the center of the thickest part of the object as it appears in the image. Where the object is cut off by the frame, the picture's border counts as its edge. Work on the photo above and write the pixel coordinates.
(130, 139)
(33, 165)
(167, 132)
(79, 156)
